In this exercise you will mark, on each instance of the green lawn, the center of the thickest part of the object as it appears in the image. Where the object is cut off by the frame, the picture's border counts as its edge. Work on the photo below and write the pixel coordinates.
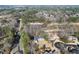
(25, 41)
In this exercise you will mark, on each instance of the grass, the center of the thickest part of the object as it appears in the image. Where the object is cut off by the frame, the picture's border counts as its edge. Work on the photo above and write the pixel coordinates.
(76, 34)
(25, 41)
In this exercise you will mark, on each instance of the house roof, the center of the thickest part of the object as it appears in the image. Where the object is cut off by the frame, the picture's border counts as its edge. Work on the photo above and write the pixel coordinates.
(38, 38)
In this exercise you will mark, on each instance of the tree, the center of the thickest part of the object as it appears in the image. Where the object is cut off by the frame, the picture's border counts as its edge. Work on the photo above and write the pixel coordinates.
(73, 19)
(8, 34)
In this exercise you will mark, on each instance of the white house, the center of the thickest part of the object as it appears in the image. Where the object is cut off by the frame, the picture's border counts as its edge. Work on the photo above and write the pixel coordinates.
(72, 38)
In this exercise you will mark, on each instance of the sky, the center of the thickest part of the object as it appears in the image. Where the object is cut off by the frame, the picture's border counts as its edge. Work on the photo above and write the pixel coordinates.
(39, 2)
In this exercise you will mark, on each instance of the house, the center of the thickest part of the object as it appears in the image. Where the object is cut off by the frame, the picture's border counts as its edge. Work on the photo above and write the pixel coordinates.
(72, 38)
(52, 34)
(43, 44)
(37, 39)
